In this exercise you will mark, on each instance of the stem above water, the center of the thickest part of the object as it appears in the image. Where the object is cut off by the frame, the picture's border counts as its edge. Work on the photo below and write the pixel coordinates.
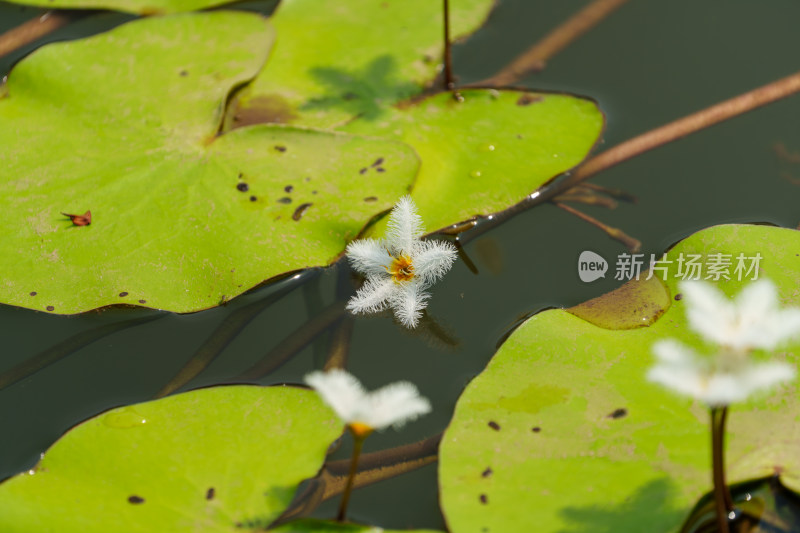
(449, 83)
(722, 496)
(358, 443)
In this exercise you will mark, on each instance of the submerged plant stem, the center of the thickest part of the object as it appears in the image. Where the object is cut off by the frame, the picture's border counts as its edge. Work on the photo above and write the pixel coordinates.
(535, 58)
(449, 82)
(358, 443)
(34, 29)
(722, 496)
(634, 245)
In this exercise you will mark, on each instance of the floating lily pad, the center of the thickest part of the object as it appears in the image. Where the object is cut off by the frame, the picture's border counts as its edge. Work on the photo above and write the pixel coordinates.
(562, 432)
(218, 459)
(337, 60)
(124, 125)
(320, 526)
(488, 150)
(138, 7)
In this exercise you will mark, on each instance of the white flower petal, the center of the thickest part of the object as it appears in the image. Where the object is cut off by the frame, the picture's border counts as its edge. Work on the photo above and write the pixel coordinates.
(404, 226)
(408, 301)
(369, 257)
(680, 369)
(394, 405)
(764, 376)
(757, 299)
(375, 295)
(339, 390)
(674, 353)
(432, 260)
(708, 310)
(784, 326)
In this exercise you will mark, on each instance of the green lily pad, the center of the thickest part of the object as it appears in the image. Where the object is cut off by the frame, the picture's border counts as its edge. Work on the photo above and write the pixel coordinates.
(320, 526)
(562, 432)
(489, 151)
(217, 459)
(137, 7)
(125, 125)
(338, 60)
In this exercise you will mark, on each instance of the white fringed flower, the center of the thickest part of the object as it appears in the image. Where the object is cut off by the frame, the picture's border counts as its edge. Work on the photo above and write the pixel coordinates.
(690, 374)
(400, 268)
(753, 320)
(392, 405)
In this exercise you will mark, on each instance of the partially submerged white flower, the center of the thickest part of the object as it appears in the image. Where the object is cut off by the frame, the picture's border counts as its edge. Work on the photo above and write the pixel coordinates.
(753, 320)
(392, 405)
(715, 381)
(399, 268)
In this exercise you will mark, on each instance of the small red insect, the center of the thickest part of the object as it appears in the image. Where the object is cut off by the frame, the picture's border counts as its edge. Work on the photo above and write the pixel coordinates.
(80, 220)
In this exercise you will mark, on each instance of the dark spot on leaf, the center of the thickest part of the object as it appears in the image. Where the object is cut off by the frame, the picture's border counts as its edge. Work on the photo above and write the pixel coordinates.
(484, 499)
(288, 188)
(184, 73)
(313, 192)
(494, 425)
(371, 199)
(377, 162)
(142, 301)
(135, 499)
(536, 429)
(123, 294)
(427, 58)
(285, 200)
(380, 169)
(243, 187)
(241, 175)
(363, 170)
(528, 99)
(80, 220)
(487, 472)
(618, 413)
(678, 297)
(300, 211)
(280, 148)
(349, 96)
(253, 198)
(308, 178)
(51, 308)
(33, 293)
(210, 493)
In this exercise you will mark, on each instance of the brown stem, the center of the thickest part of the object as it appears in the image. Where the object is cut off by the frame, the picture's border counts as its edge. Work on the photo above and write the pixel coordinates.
(722, 495)
(588, 199)
(682, 127)
(34, 29)
(449, 83)
(358, 443)
(617, 234)
(647, 141)
(373, 467)
(535, 58)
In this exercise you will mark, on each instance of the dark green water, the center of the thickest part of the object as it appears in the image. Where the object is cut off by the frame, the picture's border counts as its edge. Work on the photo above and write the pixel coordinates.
(649, 63)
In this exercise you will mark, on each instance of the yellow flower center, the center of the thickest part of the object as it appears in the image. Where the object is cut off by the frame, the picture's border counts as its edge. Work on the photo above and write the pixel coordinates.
(360, 429)
(402, 269)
